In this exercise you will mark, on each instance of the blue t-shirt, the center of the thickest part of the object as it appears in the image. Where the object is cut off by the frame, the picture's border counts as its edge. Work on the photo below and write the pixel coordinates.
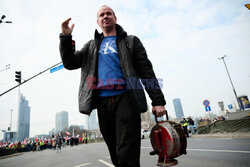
(111, 80)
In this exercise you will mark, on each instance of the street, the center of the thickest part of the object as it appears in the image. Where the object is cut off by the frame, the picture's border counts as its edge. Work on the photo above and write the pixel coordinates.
(205, 152)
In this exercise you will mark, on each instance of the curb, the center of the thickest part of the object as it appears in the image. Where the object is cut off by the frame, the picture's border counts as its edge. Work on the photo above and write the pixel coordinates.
(223, 135)
(11, 155)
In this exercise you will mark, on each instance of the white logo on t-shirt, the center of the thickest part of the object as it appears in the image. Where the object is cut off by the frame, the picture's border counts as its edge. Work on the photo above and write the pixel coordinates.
(110, 48)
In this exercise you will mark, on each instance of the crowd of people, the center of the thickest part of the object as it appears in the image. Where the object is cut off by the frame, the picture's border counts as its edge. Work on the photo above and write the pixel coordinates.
(40, 144)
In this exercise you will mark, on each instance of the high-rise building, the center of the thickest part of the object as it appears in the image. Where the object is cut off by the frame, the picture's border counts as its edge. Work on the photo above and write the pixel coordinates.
(23, 118)
(147, 116)
(52, 132)
(178, 108)
(62, 121)
(92, 121)
(9, 136)
(81, 127)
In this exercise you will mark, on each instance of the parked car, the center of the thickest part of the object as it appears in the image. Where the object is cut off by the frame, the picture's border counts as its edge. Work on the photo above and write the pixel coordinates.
(145, 133)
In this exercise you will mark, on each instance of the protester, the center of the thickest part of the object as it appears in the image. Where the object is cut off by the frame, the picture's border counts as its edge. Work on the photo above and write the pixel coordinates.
(191, 124)
(58, 142)
(111, 64)
(184, 124)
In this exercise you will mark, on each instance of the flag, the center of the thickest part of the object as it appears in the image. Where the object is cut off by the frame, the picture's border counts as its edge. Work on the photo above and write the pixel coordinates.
(67, 133)
(11, 145)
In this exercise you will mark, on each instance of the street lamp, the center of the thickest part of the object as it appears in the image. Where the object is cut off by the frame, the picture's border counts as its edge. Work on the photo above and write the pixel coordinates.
(1, 20)
(222, 58)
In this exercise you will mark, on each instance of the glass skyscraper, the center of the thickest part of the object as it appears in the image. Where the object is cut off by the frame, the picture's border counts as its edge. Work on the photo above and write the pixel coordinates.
(23, 119)
(92, 121)
(62, 121)
(178, 108)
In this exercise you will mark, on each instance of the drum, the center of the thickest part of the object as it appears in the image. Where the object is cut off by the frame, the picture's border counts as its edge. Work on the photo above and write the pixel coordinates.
(168, 141)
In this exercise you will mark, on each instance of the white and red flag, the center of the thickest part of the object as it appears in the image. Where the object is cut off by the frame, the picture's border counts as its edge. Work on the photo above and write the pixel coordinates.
(11, 145)
(67, 133)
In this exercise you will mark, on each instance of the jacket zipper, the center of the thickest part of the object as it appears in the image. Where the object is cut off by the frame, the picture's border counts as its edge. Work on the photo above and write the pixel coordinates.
(123, 68)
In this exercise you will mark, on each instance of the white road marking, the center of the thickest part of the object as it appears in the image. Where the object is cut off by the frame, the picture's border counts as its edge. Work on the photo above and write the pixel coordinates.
(204, 150)
(147, 147)
(224, 138)
(82, 165)
(229, 151)
(106, 163)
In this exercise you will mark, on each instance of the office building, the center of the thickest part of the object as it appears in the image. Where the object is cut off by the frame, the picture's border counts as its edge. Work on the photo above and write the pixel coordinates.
(9, 136)
(92, 121)
(178, 108)
(147, 116)
(81, 127)
(62, 121)
(23, 119)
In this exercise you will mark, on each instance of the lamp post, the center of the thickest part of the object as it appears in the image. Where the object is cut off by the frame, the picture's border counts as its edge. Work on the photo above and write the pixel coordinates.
(11, 136)
(222, 58)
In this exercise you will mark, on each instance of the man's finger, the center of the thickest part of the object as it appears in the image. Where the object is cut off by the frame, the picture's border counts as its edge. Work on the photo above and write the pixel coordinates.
(160, 113)
(72, 26)
(66, 22)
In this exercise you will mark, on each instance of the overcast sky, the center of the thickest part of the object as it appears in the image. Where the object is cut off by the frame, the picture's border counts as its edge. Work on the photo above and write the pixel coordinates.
(183, 39)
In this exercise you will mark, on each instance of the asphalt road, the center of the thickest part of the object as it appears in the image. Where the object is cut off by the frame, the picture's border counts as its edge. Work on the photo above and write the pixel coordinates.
(201, 152)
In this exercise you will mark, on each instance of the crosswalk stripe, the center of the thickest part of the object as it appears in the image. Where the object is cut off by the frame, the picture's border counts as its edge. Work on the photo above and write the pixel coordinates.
(106, 163)
(82, 165)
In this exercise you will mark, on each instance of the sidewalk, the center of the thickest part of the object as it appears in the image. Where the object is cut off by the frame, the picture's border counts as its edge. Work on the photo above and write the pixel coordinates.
(224, 135)
(11, 155)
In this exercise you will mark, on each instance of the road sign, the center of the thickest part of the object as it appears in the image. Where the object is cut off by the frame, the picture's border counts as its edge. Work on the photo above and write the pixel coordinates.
(230, 106)
(208, 108)
(56, 68)
(221, 105)
(206, 103)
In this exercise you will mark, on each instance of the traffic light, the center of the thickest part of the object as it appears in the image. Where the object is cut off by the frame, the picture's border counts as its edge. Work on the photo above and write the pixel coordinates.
(1, 20)
(18, 76)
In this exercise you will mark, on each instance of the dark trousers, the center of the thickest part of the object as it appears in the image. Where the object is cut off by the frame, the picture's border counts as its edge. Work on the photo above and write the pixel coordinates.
(120, 125)
(185, 130)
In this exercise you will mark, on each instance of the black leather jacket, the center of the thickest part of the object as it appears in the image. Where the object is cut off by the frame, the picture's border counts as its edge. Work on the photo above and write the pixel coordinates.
(134, 63)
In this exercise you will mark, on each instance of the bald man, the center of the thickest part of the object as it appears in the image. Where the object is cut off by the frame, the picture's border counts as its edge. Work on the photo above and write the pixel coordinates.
(113, 68)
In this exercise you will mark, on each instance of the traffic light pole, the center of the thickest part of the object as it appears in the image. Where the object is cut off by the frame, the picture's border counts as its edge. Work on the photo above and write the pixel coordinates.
(29, 79)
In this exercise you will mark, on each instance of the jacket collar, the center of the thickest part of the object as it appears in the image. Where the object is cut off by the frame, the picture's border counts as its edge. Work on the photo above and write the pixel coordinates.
(120, 33)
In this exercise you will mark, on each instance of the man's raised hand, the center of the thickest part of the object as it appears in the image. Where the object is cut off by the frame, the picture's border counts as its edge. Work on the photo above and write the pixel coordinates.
(65, 27)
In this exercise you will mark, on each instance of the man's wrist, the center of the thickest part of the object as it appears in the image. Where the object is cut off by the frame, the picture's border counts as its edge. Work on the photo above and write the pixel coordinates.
(62, 34)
